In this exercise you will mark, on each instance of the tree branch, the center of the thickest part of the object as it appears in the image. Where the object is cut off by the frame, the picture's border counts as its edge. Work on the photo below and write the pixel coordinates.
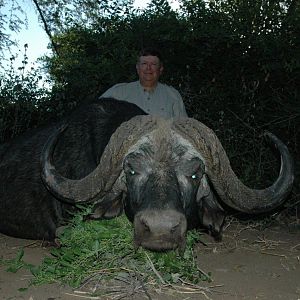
(46, 27)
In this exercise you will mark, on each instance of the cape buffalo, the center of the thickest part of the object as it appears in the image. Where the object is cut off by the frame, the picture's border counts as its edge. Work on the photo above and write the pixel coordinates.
(167, 175)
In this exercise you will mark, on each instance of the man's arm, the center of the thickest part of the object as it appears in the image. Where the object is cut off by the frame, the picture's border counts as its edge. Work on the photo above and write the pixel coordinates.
(179, 108)
(109, 93)
(117, 91)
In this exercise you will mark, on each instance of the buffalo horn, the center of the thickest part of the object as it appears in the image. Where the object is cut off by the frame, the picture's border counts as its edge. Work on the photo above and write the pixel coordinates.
(229, 188)
(101, 181)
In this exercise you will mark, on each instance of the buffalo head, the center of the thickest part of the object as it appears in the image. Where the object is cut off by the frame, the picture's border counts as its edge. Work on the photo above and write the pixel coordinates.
(168, 176)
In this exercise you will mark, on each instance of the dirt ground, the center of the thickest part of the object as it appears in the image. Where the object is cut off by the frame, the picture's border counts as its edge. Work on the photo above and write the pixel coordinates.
(248, 264)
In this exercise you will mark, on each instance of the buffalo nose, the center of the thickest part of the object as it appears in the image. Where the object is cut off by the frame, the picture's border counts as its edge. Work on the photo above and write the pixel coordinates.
(160, 230)
(157, 226)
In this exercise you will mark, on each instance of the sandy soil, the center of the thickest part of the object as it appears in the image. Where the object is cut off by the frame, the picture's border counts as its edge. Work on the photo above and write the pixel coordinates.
(247, 264)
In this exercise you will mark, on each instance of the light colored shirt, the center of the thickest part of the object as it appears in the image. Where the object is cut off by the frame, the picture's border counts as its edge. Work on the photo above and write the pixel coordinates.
(164, 100)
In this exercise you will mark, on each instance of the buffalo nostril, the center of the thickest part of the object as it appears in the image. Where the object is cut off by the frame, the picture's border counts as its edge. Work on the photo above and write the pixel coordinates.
(174, 228)
(146, 226)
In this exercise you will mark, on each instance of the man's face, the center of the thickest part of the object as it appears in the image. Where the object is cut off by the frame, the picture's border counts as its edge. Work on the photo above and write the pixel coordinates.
(149, 69)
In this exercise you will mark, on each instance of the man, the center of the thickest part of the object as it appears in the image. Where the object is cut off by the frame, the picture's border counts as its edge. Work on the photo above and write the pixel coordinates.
(148, 93)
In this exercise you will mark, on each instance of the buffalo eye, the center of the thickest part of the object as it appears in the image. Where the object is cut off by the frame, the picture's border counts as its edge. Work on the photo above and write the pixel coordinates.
(196, 176)
(130, 171)
(192, 168)
(134, 164)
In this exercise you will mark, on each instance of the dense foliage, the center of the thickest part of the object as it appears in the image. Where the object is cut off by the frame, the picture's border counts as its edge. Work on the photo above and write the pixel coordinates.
(236, 64)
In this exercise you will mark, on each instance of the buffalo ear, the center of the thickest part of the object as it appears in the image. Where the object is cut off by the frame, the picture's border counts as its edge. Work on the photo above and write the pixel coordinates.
(210, 212)
(115, 209)
(203, 189)
(212, 216)
(111, 204)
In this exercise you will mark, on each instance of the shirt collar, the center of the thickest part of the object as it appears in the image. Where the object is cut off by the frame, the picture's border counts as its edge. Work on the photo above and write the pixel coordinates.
(145, 91)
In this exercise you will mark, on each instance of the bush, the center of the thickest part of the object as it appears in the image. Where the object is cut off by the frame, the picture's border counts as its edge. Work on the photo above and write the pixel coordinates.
(24, 99)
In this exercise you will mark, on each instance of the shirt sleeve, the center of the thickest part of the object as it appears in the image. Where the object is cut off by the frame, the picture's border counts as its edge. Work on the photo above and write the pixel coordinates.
(113, 92)
(179, 108)
(182, 110)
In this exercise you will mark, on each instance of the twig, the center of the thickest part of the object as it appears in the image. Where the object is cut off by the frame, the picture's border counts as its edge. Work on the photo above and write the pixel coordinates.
(154, 270)
(190, 288)
(294, 247)
(25, 246)
(207, 289)
(294, 204)
(245, 124)
(273, 254)
(203, 273)
(280, 120)
(143, 285)
(84, 297)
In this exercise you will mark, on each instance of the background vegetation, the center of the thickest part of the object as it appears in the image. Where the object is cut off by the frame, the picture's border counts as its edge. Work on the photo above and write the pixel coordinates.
(236, 64)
